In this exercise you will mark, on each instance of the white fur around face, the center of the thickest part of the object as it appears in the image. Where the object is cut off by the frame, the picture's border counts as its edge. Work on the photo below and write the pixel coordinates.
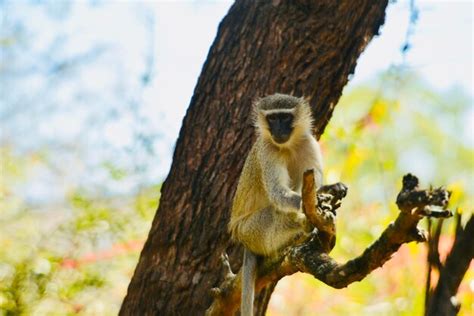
(301, 125)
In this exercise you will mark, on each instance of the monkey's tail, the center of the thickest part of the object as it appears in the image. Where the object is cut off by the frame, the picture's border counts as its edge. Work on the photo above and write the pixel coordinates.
(249, 270)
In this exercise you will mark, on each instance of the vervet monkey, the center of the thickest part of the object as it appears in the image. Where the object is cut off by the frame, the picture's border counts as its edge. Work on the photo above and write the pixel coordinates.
(266, 212)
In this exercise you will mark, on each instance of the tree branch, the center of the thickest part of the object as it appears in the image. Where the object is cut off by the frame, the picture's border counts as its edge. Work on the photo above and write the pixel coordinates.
(311, 256)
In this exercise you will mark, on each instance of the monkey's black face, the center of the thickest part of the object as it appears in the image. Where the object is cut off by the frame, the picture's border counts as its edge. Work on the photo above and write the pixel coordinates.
(281, 126)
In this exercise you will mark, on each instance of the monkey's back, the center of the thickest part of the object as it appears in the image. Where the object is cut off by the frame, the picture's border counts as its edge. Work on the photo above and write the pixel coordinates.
(248, 198)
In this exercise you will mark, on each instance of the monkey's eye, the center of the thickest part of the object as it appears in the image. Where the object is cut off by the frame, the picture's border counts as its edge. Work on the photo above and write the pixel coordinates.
(271, 119)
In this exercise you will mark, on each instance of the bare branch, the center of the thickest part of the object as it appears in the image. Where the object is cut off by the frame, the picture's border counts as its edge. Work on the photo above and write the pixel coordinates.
(443, 300)
(312, 256)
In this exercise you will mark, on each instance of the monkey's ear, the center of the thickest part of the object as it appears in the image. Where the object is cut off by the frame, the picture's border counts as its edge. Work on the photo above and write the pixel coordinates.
(256, 101)
(305, 98)
(255, 111)
(256, 105)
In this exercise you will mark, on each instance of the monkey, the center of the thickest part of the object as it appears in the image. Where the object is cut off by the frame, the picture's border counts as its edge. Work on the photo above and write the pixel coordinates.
(266, 214)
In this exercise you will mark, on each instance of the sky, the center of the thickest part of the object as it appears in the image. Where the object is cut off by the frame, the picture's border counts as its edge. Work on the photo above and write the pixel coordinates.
(441, 49)
(442, 45)
(168, 41)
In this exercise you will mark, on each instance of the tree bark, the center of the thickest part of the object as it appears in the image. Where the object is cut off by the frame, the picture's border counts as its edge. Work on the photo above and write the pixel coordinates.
(303, 48)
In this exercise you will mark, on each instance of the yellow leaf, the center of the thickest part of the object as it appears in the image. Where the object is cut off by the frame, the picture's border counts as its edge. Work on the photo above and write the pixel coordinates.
(457, 192)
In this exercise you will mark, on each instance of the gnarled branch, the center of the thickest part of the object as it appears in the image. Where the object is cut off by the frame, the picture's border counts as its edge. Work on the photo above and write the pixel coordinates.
(312, 255)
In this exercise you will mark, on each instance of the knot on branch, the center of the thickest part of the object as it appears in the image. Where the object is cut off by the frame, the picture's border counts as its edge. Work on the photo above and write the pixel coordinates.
(410, 182)
(430, 202)
(225, 291)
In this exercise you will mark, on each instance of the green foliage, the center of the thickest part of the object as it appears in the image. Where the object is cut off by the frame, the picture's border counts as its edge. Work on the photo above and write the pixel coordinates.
(73, 259)
(115, 172)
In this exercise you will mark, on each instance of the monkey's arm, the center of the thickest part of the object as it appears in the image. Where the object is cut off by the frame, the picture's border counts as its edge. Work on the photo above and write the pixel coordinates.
(276, 179)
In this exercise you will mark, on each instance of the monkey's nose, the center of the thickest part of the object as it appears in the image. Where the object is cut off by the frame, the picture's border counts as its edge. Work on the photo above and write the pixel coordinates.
(280, 139)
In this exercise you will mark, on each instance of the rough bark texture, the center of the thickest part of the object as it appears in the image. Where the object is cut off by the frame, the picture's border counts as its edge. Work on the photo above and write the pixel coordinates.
(297, 47)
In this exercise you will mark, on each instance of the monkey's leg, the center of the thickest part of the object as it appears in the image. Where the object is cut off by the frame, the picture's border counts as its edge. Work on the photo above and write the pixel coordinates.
(267, 231)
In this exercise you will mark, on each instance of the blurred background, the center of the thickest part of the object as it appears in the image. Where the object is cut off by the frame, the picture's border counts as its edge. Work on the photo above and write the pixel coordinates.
(92, 95)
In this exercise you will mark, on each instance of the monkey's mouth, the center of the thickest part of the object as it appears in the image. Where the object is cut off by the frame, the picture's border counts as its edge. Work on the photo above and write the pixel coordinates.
(281, 139)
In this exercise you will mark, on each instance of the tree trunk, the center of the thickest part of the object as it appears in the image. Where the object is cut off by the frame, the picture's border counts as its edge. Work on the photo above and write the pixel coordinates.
(303, 48)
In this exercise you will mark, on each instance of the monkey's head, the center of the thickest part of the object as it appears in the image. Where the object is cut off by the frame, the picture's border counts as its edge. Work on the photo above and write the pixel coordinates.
(282, 118)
